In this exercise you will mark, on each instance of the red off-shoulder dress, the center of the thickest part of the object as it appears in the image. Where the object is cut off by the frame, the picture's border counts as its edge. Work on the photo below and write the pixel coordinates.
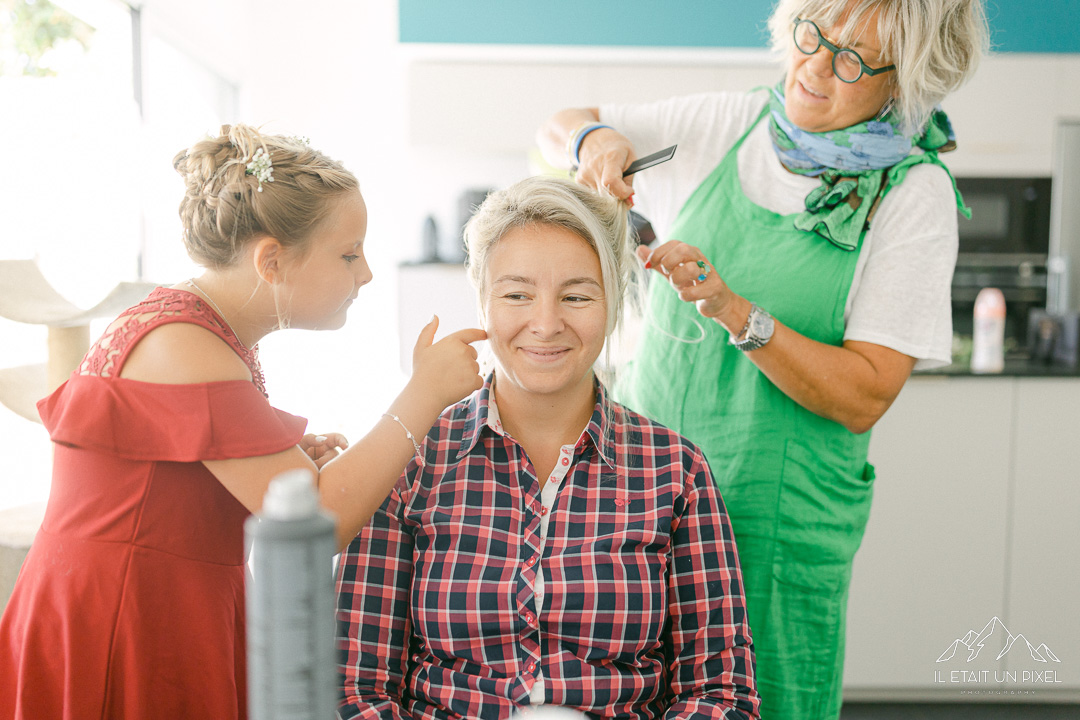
(131, 601)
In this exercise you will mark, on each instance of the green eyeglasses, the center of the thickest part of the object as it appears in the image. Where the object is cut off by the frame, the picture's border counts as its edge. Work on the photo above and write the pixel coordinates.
(846, 63)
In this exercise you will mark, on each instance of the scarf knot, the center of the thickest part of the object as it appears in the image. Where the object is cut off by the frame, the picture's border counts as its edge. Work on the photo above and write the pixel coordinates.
(857, 165)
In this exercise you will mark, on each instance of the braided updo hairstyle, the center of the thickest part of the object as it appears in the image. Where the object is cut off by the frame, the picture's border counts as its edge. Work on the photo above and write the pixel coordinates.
(223, 207)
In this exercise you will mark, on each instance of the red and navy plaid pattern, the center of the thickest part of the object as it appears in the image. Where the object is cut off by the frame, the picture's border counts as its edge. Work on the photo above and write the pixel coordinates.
(643, 614)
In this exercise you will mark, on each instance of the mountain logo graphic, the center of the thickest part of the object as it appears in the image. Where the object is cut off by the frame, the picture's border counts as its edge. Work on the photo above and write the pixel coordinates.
(993, 636)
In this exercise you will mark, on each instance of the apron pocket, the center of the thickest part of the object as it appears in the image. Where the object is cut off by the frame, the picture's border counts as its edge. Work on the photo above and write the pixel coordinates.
(821, 517)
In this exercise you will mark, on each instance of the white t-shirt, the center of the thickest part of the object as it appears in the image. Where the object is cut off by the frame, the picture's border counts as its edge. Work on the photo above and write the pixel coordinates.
(900, 295)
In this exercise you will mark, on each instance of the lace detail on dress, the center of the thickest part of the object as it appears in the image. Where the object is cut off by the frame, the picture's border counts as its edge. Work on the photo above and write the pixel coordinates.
(163, 305)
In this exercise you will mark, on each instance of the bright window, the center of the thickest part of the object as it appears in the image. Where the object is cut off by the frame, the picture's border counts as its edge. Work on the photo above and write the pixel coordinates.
(88, 190)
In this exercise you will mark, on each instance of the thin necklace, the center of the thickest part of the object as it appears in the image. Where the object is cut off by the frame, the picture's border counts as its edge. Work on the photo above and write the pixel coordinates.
(219, 312)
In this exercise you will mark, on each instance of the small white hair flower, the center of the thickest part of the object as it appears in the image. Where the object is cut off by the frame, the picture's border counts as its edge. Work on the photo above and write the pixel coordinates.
(300, 139)
(261, 167)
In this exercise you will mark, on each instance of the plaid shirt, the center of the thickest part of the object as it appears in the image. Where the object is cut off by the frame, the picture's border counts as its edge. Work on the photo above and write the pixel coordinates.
(642, 613)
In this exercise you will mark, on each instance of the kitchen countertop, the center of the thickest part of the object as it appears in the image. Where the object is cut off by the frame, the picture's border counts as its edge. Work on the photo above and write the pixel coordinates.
(1014, 367)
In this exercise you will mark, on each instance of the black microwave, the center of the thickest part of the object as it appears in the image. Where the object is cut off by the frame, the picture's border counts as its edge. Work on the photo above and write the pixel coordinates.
(1005, 245)
(1009, 216)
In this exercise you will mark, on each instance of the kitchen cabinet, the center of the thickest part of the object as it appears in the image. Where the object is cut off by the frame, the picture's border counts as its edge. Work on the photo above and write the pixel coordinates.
(1044, 563)
(975, 517)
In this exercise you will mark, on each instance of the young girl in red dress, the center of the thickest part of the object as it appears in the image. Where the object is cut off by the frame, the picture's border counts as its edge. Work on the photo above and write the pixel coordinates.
(131, 601)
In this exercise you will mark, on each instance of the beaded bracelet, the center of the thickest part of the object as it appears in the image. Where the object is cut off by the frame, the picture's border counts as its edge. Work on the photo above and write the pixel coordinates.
(408, 434)
(573, 146)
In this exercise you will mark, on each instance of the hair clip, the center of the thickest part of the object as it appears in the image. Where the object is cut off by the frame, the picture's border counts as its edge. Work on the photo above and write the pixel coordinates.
(261, 167)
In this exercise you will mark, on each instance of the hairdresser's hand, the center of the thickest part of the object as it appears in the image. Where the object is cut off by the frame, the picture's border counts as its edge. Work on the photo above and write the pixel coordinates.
(683, 265)
(605, 154)
(323, 448)
(446, 371)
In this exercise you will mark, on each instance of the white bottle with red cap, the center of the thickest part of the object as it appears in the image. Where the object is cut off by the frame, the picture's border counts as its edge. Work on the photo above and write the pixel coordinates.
(988, 338)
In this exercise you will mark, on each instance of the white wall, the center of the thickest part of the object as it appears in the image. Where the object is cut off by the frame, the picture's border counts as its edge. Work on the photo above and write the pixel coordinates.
(331, 71)
(214, 32)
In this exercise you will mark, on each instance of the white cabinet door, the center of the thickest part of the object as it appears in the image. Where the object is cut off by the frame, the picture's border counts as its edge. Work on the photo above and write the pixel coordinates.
(1044, 562)
(932, 563)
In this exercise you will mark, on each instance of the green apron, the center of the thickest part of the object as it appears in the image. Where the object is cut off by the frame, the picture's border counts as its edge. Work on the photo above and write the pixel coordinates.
(797, 486)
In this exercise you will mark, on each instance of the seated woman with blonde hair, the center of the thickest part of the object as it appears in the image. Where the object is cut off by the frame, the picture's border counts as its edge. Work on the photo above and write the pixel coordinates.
(547, 545)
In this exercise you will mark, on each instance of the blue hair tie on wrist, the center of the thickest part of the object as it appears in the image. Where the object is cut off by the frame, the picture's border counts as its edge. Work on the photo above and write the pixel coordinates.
(575, 155)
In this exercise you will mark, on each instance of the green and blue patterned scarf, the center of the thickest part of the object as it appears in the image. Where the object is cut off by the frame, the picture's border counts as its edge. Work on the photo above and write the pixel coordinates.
(857, 166)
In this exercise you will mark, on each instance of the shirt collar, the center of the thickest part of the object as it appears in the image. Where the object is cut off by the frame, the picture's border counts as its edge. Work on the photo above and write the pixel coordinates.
(481, 412)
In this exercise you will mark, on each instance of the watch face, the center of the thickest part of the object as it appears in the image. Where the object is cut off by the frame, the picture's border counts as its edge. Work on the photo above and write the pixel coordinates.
(761, 326)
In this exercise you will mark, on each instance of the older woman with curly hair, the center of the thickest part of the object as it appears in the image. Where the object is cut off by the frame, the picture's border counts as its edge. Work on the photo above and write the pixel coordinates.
(811, 233)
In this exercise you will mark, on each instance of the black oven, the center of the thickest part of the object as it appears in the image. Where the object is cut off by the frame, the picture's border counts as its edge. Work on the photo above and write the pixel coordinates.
(1009, 216)
(1004, 245)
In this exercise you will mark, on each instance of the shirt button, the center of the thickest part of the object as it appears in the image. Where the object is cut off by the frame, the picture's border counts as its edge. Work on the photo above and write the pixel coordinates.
(531, 667)
(543, 511)
(531, 561)
(529, 618)
(566, 461)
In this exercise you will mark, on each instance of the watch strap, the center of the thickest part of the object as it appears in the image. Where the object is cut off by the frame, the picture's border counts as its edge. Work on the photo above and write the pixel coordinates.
(734, 339)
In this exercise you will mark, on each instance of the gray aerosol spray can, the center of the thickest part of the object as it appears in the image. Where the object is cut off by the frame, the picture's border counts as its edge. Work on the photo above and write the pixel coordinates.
(290, 604)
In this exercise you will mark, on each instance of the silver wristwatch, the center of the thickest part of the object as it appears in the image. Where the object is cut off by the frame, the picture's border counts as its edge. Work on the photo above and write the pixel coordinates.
(757, 331)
